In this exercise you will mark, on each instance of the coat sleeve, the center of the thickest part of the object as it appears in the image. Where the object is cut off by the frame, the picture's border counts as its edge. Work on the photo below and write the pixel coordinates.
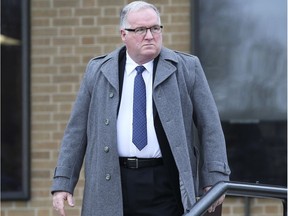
(74, 142)
(213, 157)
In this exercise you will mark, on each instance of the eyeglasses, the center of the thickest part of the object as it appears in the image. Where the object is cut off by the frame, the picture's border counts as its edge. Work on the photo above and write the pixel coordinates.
(143, 30)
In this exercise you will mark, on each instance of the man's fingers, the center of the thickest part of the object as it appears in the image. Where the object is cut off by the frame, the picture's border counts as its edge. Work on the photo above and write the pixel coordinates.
(62, 212)
(59, 199)
(213, 207)
(58, 205)
(210, 210)
(220, 200)
(70, 200)
(217, 203)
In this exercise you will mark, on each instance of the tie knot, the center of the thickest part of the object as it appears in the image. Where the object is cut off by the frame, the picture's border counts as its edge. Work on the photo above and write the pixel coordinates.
(140, 69)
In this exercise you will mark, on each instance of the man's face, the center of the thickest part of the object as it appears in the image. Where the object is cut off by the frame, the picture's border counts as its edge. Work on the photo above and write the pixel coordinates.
(142, 48)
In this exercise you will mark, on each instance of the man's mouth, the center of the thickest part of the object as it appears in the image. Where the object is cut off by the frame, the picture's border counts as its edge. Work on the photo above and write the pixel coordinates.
(148, 44)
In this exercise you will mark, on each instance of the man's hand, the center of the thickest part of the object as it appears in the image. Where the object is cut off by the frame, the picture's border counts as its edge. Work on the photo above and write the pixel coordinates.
(218, 202)
(59, 199)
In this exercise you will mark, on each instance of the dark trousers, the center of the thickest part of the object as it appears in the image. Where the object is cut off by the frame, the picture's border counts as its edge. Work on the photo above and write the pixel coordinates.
(149, 192)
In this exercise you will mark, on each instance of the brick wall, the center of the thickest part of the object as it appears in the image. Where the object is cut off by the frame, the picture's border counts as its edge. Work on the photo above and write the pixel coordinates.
(238, 206)
(65, 34)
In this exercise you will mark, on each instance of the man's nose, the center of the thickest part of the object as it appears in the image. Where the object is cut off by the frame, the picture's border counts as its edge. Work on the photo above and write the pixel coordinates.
(148, 34)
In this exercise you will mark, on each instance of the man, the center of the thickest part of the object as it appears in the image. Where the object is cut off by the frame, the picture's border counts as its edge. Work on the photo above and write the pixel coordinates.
(141, 164)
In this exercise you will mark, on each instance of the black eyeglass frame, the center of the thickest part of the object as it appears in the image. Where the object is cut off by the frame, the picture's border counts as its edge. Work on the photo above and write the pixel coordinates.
(135, 30)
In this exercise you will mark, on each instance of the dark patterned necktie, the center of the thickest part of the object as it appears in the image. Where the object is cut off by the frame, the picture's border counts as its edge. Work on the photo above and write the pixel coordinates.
(139, 110)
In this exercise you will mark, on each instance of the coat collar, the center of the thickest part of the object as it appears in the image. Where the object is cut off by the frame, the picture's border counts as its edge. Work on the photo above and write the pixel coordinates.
(166, 66)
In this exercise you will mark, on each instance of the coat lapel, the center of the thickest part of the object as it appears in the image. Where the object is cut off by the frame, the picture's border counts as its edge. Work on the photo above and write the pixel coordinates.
(165, 88)
(110, 69)
(165, 68)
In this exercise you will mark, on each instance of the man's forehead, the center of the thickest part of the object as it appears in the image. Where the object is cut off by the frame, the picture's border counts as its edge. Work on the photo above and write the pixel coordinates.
(143, 16)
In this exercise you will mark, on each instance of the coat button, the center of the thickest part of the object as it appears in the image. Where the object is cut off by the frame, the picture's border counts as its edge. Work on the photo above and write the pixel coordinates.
(111, 95)
(106, 121)
(106, 149)
(108, 177)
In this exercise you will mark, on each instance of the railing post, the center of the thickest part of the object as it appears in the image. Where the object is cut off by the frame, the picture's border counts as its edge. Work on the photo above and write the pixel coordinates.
(284, 207)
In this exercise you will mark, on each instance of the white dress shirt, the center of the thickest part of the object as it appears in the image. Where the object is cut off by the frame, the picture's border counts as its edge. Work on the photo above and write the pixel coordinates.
(125, 116)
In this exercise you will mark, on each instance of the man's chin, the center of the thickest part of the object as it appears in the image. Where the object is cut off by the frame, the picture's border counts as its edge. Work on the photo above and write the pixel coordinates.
(150, 56)
(150, 51)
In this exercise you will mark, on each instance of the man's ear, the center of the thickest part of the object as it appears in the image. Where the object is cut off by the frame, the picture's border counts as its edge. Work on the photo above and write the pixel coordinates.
(123, 35)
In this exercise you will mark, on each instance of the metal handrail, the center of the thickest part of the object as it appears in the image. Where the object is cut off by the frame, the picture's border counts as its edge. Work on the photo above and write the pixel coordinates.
(238, 189)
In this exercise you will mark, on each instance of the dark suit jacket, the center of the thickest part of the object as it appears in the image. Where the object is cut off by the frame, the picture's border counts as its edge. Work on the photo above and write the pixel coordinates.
(168, 159)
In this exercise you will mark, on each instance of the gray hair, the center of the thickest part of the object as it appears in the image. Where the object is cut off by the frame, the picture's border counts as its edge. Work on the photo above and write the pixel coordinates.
(135, 6)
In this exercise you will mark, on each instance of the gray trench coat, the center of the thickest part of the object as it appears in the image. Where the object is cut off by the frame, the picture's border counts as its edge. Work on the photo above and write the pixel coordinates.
(181, 95)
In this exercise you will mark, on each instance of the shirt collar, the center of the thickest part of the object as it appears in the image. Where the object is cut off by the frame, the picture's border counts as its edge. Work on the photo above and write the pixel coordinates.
(131, 65)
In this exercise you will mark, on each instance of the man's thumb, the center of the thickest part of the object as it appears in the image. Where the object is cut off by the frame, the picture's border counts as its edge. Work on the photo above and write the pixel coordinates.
(70, 200)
